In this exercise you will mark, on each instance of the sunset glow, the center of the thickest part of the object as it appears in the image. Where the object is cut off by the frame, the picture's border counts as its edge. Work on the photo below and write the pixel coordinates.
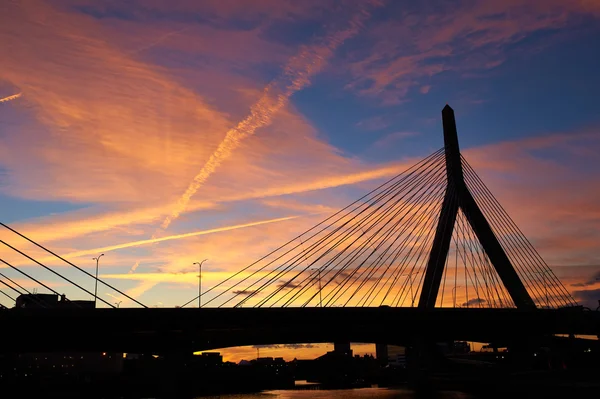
(162, 134)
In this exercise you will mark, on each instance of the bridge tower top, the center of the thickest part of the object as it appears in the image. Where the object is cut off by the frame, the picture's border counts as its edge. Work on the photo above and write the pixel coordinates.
(451, 148)
(392, 246)
(458, 197)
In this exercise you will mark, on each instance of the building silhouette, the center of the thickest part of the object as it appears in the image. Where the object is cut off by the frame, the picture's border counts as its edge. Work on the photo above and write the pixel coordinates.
(52, 301)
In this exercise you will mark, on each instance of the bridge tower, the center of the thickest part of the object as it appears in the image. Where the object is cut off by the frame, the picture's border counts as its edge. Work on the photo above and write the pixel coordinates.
(457, 197)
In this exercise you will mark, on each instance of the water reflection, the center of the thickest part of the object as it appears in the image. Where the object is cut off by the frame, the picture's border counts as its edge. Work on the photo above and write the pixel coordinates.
(377, 393)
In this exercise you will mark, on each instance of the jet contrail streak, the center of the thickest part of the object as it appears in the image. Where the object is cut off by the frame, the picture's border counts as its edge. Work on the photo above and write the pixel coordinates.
(138, 243)
(10, 98)
(296, 75)
(174, 237)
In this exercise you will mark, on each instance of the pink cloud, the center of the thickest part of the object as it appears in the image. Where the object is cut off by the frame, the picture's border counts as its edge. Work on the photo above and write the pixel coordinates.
(550, 199)
(465, 36)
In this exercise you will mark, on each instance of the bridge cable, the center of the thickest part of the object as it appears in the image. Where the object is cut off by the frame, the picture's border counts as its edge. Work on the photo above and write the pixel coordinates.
(500, 227)
(533, 255)
(75, 266)
(409, 256)
(375, 199)
(329, 248)
(364, 248)
(444, 280)
(468, 261)
(29, 277)
(33, 298)
(413, 256)
(419, 262)
(371, 272)
(54, 272)
(451, 191)
(348, 277)
(11, 287)
(543, 269)
(525, 269)
(355, 228)
(455, 272)
(5, 294)
(529, 270)
(539, 267)
(374, 292)
(358, 201)
(377, 265)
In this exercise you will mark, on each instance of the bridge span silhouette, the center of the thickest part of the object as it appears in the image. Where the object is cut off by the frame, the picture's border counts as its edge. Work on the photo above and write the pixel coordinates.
(172, 330)
(429, 255)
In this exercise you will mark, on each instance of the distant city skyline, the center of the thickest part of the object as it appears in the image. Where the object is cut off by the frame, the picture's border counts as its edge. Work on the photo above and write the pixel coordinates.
(163, 134)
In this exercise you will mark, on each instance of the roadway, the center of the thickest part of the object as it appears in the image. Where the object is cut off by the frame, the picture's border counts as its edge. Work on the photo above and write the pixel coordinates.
(166, 330)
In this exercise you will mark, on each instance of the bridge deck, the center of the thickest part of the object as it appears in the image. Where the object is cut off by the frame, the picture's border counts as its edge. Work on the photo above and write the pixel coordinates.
(165, 330)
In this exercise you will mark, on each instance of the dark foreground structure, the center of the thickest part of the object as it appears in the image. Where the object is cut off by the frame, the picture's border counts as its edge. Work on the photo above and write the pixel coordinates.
(570, 368)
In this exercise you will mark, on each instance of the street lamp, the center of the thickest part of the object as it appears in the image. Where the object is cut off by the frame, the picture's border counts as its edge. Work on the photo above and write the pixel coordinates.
(200, 281)
(118, 303)
(96, 288)
(454, 295)
(320, 292)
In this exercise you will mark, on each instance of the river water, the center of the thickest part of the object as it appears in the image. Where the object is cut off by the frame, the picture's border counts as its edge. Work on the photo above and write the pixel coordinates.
(376, 393)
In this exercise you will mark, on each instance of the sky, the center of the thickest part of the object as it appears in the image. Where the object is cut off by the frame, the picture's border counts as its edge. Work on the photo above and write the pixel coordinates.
(167, 132)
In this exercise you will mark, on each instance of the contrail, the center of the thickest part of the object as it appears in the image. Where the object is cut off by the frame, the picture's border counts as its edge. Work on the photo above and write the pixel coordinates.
(10, 98)
(174, 237)
(296, 75)
(138, 243)
(135, 266)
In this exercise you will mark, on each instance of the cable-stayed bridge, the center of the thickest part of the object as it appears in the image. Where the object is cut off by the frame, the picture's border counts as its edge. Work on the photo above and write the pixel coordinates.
(429, 254)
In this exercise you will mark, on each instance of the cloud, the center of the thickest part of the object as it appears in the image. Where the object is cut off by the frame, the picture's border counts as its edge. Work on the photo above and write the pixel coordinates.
(475, 301)
(588, 298)
(296, 76)
(543, 184)
(287, 285)
(126, 101)
(461, 36)
(595, 279)
(108, 123)
(174, 237)
(245, 292)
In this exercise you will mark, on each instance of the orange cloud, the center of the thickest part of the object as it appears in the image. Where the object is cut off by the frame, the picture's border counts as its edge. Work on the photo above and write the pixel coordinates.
(296, 75)
(550, 199)
(174, 237)
(461, 36)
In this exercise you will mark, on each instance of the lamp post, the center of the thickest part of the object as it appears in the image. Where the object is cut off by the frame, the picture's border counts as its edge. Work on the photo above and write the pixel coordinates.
(97, 259)
(454, 295)
(200, 281)
(118, 303)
